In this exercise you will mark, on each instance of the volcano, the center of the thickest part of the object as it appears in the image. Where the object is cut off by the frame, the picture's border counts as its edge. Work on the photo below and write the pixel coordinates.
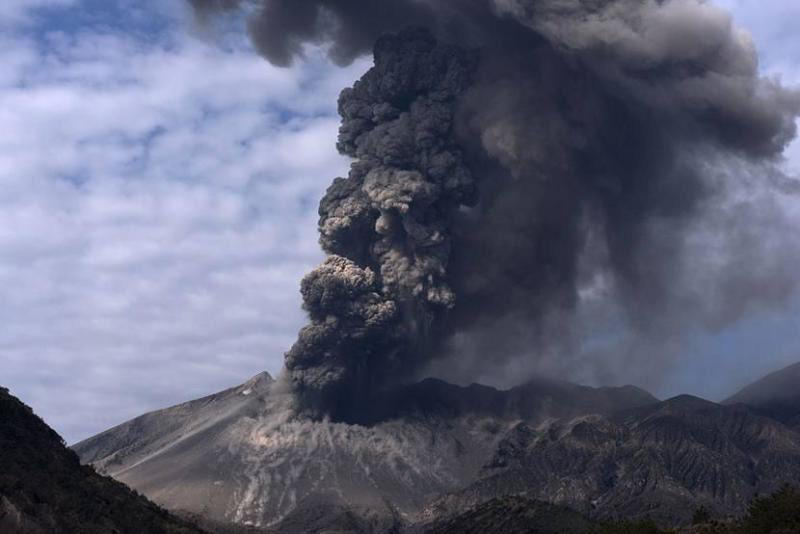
(531, 183)
(436, 450)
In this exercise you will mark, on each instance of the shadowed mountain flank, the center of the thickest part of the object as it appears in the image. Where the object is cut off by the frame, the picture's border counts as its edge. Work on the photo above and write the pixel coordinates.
(45, 490)
(776, 395)
(660, 461)
(515, 515)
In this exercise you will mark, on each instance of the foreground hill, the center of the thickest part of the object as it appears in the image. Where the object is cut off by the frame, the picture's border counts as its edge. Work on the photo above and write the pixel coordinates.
(435, 451)
(777, 395)
(44, 489)
(777, 513)
(515, 515)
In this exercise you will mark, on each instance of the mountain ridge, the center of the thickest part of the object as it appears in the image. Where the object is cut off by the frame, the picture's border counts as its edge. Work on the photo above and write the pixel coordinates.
(776, 395)
(434, 450)
(429, 438)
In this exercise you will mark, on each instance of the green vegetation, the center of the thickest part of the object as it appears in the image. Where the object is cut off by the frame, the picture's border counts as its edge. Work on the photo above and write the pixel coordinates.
(644, 526)
(701, 516)
(778, 513)
(43, 482)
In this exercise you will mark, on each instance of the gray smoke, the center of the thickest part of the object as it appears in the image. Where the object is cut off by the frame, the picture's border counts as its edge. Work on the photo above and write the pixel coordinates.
(387, 225)
(624, 150)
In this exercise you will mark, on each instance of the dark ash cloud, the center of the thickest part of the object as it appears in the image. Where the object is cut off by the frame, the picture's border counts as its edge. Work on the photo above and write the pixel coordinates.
(375, 301)
(522, 168)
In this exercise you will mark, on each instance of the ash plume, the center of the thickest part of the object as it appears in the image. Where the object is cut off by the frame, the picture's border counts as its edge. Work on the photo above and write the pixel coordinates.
(386, 226)
(523, 170)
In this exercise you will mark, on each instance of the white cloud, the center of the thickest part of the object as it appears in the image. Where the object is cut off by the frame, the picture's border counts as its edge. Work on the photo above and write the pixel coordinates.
(158, 210)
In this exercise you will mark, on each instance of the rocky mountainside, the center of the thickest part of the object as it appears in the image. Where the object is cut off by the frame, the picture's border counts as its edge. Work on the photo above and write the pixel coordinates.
(239, 456)
(660, 461)
(435, 451)
(44, 488)
(777, 395)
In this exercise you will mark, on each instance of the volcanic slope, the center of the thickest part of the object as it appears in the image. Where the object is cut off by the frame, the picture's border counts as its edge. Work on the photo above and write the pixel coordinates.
(241, 456)
(776, 395)
(434, 450)
(44, 489)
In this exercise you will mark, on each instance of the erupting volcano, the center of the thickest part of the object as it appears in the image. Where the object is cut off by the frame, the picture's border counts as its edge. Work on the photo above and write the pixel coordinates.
(534, 184)
(522, 169)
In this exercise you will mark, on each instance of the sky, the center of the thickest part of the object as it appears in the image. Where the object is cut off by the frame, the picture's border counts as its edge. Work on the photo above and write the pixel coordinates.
(158, 195)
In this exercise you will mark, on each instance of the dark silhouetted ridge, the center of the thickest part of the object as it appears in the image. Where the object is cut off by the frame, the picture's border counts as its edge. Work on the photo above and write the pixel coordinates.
(45, 489)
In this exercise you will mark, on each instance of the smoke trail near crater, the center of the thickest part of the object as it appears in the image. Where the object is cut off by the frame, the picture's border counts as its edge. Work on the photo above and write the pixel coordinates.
(519, 165)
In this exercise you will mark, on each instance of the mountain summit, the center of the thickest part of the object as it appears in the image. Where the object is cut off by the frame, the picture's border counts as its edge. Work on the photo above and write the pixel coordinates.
(776, 395)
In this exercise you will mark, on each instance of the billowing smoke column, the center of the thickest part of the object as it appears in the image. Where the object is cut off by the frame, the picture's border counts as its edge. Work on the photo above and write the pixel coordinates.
(387, 225)
(607, 139)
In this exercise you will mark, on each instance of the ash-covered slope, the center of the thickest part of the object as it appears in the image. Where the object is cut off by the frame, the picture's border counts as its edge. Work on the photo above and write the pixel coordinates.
(44, 489)
(776, 395)
(241, 456)
(434, 450)
(176, 456)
